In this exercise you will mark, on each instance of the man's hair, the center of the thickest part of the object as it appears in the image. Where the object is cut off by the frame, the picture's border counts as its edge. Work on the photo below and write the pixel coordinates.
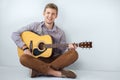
(51, 5)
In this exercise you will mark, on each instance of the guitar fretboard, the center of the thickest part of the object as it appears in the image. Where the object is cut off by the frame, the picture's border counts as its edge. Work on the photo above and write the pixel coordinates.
(57, 45)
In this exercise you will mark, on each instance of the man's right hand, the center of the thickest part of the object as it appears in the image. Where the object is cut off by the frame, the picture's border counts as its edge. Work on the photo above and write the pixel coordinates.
(27, 51)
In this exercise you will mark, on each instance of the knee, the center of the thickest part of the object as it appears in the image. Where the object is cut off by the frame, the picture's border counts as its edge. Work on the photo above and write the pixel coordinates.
(74, 54)
(23, 58)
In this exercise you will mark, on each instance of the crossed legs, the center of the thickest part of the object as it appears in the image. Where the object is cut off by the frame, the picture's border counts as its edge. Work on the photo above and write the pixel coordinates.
(51, 68)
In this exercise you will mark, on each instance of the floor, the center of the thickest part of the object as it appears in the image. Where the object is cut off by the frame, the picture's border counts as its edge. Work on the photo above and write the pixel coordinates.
(22, 73)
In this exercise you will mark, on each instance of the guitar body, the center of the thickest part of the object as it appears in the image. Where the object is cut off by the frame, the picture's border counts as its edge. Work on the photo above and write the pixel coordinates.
(28, 36)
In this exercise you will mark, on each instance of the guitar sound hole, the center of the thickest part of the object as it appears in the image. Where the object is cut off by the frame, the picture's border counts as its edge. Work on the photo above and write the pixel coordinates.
(41, 46)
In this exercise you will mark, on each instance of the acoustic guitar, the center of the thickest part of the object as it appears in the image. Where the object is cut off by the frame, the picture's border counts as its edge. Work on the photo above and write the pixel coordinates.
(41, 46)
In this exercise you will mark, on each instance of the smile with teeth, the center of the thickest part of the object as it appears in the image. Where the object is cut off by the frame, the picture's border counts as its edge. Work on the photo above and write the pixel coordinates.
(49, 19)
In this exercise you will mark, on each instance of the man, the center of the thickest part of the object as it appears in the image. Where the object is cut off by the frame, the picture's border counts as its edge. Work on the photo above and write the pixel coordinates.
(60, 58)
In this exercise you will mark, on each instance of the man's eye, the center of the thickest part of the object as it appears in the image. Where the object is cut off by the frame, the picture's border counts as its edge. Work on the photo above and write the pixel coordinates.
(53, 13)
(48, 13)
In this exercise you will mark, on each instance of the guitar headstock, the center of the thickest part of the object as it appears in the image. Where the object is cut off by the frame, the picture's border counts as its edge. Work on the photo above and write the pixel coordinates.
(85, 44)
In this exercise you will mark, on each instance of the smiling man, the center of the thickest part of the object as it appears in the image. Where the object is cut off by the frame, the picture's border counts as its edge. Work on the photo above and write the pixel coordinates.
(61, 56)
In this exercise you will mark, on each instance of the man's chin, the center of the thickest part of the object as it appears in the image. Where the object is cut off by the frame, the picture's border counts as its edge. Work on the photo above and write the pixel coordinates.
(50, 22)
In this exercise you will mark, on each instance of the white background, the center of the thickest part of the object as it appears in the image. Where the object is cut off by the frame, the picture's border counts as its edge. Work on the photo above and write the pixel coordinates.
(82, 20)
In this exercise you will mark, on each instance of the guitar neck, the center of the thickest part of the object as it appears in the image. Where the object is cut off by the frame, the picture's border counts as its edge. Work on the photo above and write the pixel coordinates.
(57, 45)
(82, 45)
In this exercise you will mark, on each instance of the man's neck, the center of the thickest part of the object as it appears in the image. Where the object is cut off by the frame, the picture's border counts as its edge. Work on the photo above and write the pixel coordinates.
(49, 26)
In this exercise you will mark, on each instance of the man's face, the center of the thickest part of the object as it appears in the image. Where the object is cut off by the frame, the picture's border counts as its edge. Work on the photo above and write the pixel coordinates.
(50, 15)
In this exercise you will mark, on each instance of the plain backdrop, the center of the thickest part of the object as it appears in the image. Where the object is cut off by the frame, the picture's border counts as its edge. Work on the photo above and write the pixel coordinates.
(82, 20)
